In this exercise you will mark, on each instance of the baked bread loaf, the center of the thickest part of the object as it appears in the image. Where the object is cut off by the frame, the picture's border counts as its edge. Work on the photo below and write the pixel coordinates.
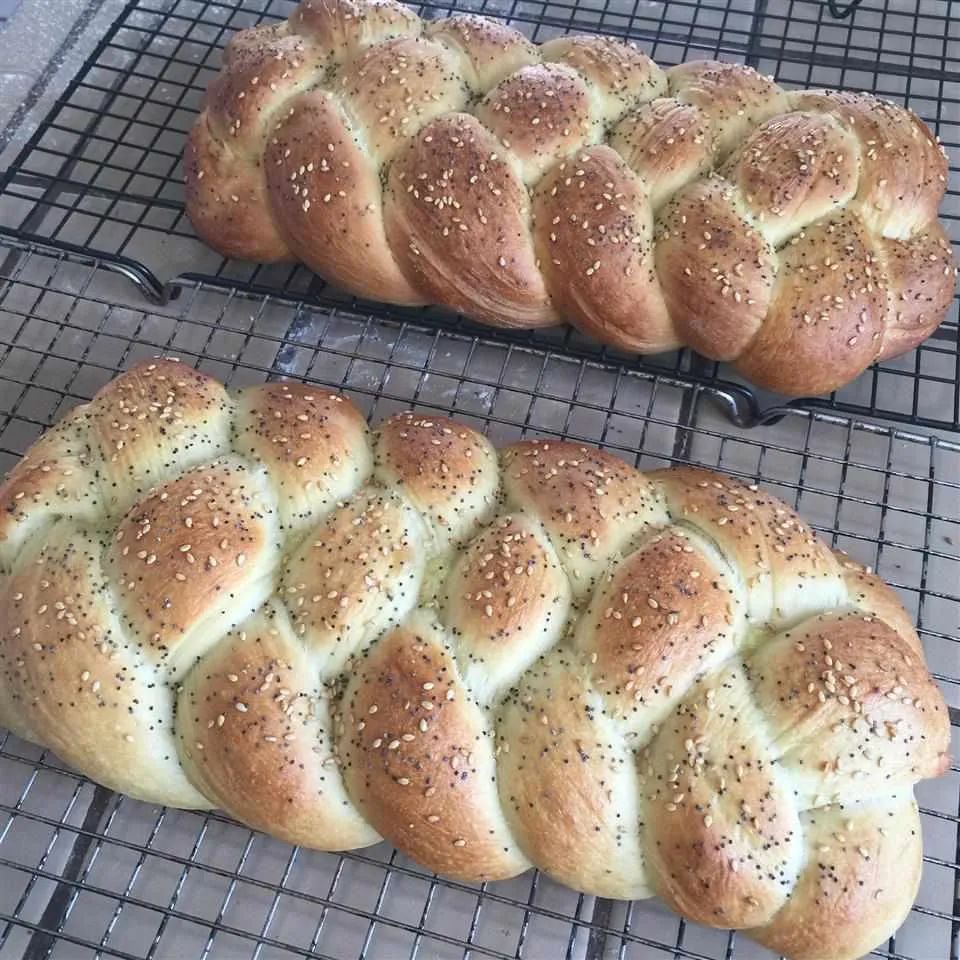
(454, 162)
(639, 683)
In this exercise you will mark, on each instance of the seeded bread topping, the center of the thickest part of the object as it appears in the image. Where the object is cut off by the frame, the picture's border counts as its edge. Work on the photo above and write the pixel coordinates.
(637, 682)
(454, 162)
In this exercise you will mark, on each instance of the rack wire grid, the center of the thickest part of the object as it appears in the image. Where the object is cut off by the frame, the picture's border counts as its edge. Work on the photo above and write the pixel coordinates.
(102, 174)
(87, 873)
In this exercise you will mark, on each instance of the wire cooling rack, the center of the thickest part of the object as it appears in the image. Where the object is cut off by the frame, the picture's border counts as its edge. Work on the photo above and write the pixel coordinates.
(87, 873)
(102, 177)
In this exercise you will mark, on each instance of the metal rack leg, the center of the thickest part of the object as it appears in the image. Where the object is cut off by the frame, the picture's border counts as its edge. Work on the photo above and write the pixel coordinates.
(54, 914)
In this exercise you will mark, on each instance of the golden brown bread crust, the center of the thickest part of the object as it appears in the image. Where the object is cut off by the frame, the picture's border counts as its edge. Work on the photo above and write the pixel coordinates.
(850, 708)
(594, 237)
(915, 270)
(78, 684)
(537, 114)
(489, 50)
(241, 100)
(447, 471)
(870, 595)
(903, 169)
(786, 573)
(193, 553)
(327, 200)
(619, 74)
(300, 434)
(716, 269)
(421, 768)
(832, 266)
(340, 592)
(457, 213)
(785, 188)
(415, 81)
(506, 601)
(735, 99)
(555, 745)
(226, 192)
(590, 503)
(668, 614)
(667, 143)
(454, 142)
(723, 837)
(637, 683)
(228, 202)
(255, 737)
(343, 28)
(862, 874)
(160, 418)
(52, 479)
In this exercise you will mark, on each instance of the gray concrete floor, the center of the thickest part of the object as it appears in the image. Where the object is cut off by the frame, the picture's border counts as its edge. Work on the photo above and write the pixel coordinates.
(42, 45)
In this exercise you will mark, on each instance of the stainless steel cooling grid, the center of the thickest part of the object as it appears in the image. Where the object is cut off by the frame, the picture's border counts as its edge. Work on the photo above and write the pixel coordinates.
(94, 202)
(101, 176)
(88, 873)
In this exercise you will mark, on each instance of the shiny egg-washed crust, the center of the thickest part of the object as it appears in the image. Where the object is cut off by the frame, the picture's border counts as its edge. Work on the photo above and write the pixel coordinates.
(451, 161)
(657, 683)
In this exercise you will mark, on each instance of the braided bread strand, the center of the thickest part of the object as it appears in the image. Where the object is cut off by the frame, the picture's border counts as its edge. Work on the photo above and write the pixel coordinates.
(639, 683)
(454, 162)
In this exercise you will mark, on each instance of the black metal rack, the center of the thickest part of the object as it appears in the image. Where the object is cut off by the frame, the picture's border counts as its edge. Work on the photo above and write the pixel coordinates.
(101, 178)
(89, 873)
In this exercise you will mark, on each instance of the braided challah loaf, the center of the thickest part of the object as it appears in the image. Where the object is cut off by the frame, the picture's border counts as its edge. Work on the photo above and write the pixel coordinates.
(455, 162)
(660, 683)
